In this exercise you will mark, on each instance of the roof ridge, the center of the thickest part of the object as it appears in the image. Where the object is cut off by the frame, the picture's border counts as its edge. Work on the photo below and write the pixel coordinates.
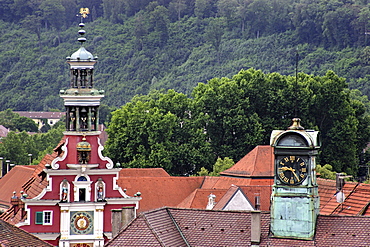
(255, 158)
(177, 227)
(146, 220)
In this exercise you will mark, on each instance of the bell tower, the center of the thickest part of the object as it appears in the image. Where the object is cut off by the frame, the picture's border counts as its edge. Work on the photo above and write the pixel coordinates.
(81, 99)
(294, 199)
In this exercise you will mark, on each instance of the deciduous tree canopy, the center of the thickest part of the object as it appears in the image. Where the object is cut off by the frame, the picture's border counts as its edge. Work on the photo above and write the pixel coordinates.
(228, 117)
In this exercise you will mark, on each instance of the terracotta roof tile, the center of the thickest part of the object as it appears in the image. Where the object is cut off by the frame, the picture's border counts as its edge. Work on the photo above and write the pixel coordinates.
(356, 202)
(343, 231)
(143, 172)
(226, 182)
(233, 228)
(199, 198)
(13, 236)
(13, 181)
(137, 233)
(257, 163)
(263, 191)
(209, 182)
(213, 228)
(158, 192)
(165, 228)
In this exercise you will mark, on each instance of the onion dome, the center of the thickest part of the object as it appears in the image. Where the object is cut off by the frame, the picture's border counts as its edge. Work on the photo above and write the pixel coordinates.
(83, 146)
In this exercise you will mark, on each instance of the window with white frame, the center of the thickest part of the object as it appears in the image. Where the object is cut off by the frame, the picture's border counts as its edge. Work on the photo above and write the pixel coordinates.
(44, 218)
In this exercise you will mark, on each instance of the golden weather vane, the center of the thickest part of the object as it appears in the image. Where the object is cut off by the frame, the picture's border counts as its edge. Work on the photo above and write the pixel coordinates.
(84, 12)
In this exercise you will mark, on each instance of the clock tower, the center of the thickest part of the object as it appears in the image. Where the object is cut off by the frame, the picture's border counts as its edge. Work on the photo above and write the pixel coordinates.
(294, 199)
(76, 208)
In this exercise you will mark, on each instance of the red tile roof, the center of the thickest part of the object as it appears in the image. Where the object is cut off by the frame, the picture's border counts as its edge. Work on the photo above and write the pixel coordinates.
(199, 198)
(178, 227)
(13, 181)
(357, 201)
(143, 172)
(160, 191)
(33, 183)
(257, 163)
(226, 197)
(264, 193)
(11, 236)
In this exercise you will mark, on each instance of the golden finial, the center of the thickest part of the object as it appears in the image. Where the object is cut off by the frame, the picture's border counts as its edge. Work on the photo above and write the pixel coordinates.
(84, 12)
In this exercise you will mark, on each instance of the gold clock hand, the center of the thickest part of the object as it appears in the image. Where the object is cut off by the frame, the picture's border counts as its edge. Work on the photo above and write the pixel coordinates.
(293, 171)
(284, 168)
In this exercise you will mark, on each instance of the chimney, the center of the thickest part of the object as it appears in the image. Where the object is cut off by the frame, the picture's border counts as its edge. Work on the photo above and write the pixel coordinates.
(340, 181)
(121, 218)
(257, 203)
(128, 214)
(116, 221)
(211, 201)
(255, 228)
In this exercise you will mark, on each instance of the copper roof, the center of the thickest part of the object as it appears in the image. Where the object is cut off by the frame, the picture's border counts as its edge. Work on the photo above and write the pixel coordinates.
(13, 236)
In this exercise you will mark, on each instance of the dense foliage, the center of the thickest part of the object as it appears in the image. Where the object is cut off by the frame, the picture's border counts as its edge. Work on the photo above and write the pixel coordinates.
(17, 146)
(15, 122)
(148, 44)
(175, 44)
(228, 117)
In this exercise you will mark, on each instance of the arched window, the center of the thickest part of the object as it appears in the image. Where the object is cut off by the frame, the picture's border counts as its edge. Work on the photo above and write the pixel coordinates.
(82, 178)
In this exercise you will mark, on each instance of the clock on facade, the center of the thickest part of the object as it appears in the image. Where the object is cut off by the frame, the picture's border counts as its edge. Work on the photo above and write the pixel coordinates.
(292, 170)
(82, 223)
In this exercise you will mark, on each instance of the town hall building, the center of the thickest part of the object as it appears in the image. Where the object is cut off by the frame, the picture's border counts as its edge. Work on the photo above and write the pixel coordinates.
(81, 195)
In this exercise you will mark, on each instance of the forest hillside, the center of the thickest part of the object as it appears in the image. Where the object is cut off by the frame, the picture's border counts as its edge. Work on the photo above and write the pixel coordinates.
(175, 44)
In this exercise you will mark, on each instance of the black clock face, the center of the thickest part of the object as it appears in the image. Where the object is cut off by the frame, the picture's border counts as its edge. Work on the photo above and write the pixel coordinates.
(292, 170)
(81, 222)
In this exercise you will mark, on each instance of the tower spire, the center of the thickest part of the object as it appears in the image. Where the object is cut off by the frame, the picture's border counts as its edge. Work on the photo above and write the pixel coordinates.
(81, 99)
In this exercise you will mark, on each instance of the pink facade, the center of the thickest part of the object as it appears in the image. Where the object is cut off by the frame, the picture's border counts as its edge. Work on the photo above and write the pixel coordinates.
(75, 208)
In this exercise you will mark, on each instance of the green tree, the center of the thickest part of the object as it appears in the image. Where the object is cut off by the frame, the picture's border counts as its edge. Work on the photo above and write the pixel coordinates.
(25, 124)
(156, 131)
(231, 125)
(326, 172)
(51, 12)
(15, 122)
(220, 166)
(14, 147)
(17, 146)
